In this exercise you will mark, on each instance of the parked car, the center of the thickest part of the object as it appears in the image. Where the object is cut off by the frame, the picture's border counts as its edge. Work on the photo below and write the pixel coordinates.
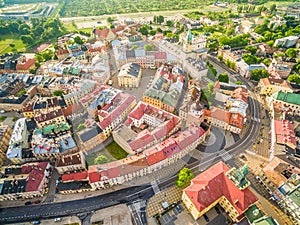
(2, 111)
(36, 222)
(57, 219)
(206, 217)
(28, 203)
(217, 209)
(178, 207)
(37, 202)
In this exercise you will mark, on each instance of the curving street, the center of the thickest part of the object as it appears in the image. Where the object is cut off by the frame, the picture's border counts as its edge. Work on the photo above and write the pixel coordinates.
(137, 193)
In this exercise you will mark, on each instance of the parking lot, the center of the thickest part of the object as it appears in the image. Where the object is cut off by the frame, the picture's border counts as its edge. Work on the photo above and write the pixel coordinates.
(181, 216)
(170, 217)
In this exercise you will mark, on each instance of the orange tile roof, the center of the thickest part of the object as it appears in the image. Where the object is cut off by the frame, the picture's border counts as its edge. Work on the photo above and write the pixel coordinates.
(26, 65)
(219, 114)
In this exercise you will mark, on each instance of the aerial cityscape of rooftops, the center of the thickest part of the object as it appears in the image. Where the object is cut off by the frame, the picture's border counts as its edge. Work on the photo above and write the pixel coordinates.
(150, 112)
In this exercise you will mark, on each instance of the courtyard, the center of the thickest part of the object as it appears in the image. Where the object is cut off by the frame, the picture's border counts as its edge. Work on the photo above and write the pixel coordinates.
(146, 80)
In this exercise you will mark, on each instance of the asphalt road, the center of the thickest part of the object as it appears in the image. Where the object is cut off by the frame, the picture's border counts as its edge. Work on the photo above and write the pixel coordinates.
(133, 194)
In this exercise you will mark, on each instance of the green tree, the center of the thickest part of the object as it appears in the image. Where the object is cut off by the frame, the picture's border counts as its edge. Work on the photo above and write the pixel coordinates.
(148, 47)
(239, 82)
(58, 93)
(267, 62)
(22, 92)
(110, 19)
(270, 43)
(258, 74)
(160, 19)
(78, 40)
(184, 177)
(27, 39)
(223, 77)
(152, 32)
(273, 8)
(101, 159)
(291, 52)
(294, 78)
(251, 49)
(249, 59)
(170, 23)
(80, 126)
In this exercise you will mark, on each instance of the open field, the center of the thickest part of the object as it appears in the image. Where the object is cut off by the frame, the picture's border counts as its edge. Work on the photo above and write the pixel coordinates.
(5, 42)
(83, 21)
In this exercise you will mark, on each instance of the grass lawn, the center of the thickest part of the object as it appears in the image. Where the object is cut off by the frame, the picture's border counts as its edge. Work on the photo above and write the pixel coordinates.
(91, 157)
(113, 152)
(2, 118)
(116, 151)
(5, 40)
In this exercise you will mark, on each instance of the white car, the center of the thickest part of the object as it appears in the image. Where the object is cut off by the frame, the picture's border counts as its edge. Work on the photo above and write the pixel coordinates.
(57, 219)
(2, 111)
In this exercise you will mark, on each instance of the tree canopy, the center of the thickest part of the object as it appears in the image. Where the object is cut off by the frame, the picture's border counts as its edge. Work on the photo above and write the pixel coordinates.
(184, 177)
(223, 77)
(58, 93)
(250, 59)
(291, 52)
(101, 159)
(258, 74)
(251, 49)
(294, 78)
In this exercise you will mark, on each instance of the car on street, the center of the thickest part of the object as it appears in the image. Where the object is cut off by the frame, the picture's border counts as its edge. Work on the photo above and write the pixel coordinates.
(217, 209)
(57, 219)
(36, 222)
(28, 203)
(206, 217)
(37, 202)
(2, 111)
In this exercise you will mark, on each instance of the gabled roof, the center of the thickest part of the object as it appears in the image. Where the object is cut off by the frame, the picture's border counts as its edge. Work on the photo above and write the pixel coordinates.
(75, 176)
(220, 114)
(212, 184)
(26, 65)
(154, 155)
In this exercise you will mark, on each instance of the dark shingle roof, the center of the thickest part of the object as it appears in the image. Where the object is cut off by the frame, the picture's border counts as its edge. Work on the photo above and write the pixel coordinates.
(91, 133)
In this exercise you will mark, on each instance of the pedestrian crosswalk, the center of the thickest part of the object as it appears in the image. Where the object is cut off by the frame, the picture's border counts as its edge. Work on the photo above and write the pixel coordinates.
(225, 155)
(155, 186)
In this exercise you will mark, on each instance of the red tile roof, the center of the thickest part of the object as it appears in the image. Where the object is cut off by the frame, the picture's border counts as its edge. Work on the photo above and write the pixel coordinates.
(36, 173)
(102, 34)
(75, 176)
(26, 65)
(185, 138)
(285, 133)
(212, 184)
(154, 155)
(138, 111)
(125, 100)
